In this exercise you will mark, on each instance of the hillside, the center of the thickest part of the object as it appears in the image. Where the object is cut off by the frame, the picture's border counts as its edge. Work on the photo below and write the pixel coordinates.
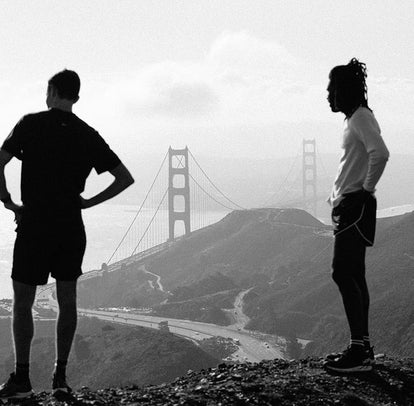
(285, 255)
(128, 287)
(243, 243)
(242, 248)
(108, 354)
(310, 306)
(278, 382)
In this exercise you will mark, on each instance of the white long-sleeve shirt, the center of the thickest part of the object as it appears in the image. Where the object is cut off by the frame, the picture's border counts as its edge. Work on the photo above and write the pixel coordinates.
(364, 155)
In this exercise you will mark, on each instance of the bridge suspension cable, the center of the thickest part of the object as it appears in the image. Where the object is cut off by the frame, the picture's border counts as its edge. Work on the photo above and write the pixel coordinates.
(143, 232)
(139, 210)
(151, 221)
(209, 195)
(281, 197)
(214, 186)
(319, 157)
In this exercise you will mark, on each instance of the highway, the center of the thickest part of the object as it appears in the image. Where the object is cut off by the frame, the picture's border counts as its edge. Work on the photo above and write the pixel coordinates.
(251, 348)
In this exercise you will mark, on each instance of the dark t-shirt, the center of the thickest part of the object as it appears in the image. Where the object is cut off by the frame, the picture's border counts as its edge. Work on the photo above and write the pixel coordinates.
(58, 151)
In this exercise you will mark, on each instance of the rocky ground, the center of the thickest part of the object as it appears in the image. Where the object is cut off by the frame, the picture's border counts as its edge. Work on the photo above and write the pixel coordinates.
(276, 382)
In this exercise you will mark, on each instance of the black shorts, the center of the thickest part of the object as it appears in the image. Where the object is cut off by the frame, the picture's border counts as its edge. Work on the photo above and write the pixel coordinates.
(356, 210)
(43, 249)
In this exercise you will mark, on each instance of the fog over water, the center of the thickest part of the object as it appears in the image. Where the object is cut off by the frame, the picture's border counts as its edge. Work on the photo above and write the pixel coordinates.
(105, 225)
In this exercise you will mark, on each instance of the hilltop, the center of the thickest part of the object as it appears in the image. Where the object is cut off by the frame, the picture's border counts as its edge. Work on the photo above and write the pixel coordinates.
(276, 382)
(242, 243)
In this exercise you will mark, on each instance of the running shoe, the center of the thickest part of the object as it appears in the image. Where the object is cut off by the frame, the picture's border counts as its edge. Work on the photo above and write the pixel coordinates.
(369, 350)
(12, 389)
(353, 360)
(371, 355)
(335, 355)
(60, 385)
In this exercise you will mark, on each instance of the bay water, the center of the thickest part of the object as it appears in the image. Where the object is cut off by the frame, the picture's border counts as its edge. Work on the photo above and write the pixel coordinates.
(105, 226)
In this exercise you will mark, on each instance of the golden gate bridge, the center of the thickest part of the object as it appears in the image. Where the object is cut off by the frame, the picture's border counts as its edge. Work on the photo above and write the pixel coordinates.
(178, 201)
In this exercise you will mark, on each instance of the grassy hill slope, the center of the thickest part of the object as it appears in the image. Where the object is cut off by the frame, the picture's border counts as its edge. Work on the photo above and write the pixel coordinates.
(310, 305)
(106, 354)
(286, 256)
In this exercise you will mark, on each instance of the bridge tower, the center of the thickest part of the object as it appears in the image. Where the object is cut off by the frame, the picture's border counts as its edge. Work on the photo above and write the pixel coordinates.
(309, 176)
(178, 185)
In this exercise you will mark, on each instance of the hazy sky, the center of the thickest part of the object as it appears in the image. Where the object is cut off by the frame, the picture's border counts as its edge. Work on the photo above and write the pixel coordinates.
(234, 78)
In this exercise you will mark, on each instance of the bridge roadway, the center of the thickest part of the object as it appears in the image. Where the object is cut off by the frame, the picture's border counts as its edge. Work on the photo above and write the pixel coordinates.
(250, 348)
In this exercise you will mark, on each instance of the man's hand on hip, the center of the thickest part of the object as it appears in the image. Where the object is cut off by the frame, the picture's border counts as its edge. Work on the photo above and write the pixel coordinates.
(17, 209)
(84, 203)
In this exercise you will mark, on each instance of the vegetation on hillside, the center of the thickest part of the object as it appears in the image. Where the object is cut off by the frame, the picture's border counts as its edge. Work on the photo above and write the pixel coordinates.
(106, 354)
(285, 255)
(214, 283)
(207, 309)
(218, 347)
(128, 287)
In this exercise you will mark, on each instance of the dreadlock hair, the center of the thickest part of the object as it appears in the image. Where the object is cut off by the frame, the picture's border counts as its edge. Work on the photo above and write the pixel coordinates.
(350, 82)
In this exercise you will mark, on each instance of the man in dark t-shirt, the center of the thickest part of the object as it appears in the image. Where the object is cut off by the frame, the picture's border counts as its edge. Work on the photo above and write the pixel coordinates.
(58, 151)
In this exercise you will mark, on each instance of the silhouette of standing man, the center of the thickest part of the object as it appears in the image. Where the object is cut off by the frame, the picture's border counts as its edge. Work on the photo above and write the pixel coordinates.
(58, 151)
(354, 208)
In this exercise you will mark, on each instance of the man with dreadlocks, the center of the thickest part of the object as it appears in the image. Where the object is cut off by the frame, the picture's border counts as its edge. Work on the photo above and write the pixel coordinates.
(354, 208)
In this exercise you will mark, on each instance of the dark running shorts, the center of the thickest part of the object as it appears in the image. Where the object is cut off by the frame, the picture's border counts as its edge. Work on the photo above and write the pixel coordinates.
(52, 249)
(356, 211)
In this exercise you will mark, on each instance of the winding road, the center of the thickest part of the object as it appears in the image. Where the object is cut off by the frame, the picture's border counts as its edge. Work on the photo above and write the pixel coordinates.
(253, 346)
(240, 318)
(158, 279)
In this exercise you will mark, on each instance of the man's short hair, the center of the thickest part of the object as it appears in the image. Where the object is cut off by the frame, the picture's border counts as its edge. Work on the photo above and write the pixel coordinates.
(66, 83)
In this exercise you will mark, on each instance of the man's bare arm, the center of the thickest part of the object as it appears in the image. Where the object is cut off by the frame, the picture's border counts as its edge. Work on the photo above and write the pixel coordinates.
(123, 179)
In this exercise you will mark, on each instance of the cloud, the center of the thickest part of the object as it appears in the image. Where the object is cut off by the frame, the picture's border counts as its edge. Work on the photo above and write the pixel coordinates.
(22, 98)
(392, 100)
(167, 90)
(186, 98)
(394, 82)
(294, 89)
(241, 79)
(178, 98)
(242, 52)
